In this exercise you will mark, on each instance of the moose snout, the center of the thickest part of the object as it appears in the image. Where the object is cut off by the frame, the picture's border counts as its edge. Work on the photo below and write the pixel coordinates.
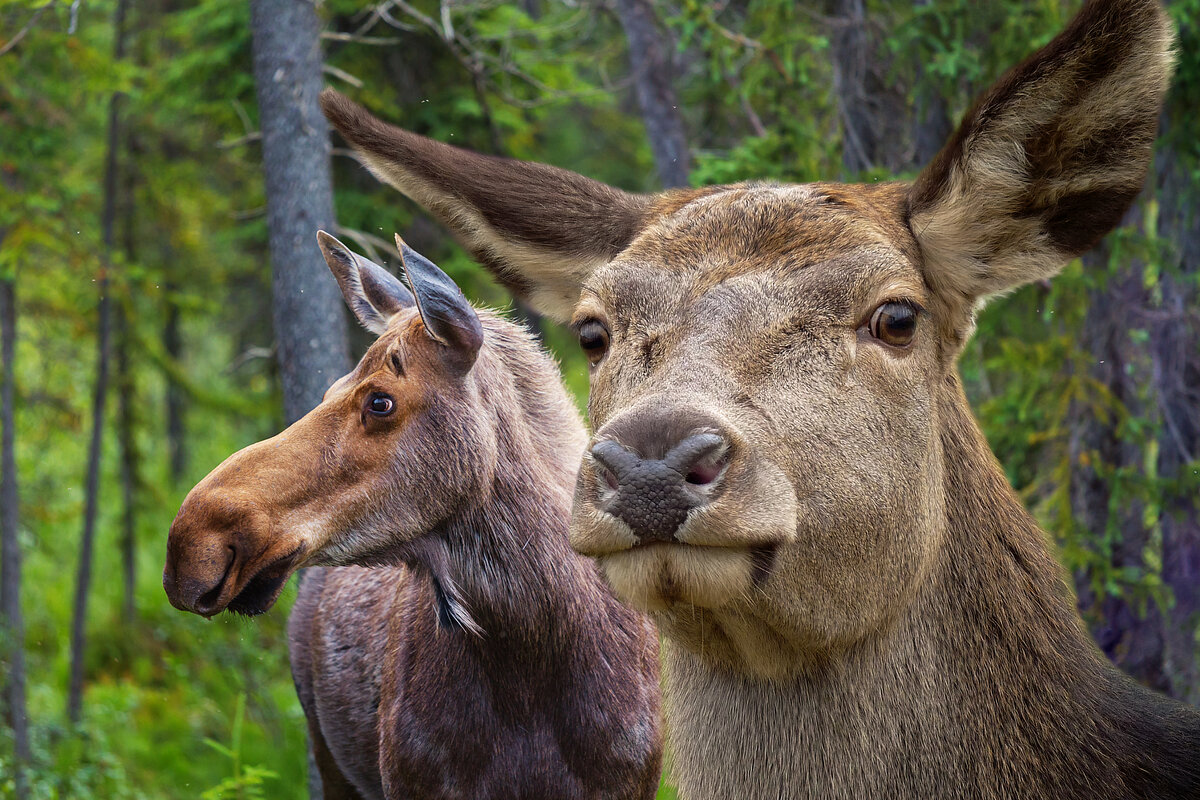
(652, 481)
(195, 581)
(210, 552)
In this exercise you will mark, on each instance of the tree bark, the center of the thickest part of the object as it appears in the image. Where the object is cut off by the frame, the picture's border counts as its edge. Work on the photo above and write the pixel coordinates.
(1131, 639)
(12, 627)
(649, 58)
(83, 578)
(1175, 354)
(176, 398)
(310, 325)
(933, 126)
(129, 465)
(871, 111)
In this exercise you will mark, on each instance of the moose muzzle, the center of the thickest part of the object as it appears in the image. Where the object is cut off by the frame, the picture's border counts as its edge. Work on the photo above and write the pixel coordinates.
(220, 555)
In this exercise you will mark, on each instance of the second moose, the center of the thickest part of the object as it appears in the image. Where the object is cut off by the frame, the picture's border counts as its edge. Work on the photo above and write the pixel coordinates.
(484, 659)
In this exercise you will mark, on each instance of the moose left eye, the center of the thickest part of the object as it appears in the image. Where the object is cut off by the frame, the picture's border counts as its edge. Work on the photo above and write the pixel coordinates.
(894, 324)
(380, 404)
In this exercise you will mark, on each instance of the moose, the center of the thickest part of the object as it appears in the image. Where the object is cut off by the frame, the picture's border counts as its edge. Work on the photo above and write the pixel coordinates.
(784, 469)
(481, 657)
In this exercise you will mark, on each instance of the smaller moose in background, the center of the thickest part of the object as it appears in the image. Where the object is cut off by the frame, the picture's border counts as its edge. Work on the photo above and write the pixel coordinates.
(482, 657)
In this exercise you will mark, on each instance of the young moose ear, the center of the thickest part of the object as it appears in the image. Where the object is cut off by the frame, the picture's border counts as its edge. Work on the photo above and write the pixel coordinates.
(1050, 158)
(541, 230)
(373, 293)
(448, 317)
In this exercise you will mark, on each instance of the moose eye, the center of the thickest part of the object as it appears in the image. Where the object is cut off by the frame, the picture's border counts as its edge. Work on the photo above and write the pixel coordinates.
(380, 404)
(894, 324)
(593, 338)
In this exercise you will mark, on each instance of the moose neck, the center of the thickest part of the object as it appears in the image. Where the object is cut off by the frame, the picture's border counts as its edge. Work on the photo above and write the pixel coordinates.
(988, 679)
(502, 567)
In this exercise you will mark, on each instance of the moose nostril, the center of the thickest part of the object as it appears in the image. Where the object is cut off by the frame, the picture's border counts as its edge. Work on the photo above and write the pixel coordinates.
(705, 473)
(605, 474)
(207, 602)
(700, 458)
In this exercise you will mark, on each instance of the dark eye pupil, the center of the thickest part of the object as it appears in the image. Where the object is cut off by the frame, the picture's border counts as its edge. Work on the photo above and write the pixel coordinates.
(381, 404)
(593, 338)
(901, 323)
(894, 323)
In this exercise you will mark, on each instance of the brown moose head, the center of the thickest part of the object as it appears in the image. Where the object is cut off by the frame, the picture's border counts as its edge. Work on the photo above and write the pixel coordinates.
(773, 367)
(378, 462)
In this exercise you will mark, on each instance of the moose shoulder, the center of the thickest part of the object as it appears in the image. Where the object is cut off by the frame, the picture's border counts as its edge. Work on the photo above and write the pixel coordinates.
(481, 657)
(784, 469)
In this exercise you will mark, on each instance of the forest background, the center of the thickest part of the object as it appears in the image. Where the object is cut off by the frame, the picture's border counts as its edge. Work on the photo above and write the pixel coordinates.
(136, 283)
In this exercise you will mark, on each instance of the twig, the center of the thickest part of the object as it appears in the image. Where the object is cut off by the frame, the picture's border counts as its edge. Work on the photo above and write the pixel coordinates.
(382, 41)
(367, 241)
(341, 74)
(11, 43)
(253, 136)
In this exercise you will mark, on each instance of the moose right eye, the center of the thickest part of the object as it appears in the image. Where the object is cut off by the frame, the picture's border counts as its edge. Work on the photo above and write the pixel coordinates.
(593, 338)
(380, 404)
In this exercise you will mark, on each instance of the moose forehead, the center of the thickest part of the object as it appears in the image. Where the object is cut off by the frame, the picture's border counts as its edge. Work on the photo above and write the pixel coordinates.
(815, 246)
(385, 354)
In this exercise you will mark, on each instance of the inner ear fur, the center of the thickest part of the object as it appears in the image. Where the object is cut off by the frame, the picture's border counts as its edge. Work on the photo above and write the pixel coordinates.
(1050, 158)
(540, 229)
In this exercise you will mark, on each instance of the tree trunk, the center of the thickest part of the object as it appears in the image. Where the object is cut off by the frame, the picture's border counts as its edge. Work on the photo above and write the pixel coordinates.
(310, 325)
(83, 578)
(129, 465)
(1098, 452)
(176, 398)
(872, 112)
(848, 46)
(649, 58)
(12, 627)
(933, 126)
(1175, 353)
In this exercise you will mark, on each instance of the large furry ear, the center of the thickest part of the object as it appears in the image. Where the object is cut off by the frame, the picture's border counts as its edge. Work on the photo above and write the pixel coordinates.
(1050, 158)
(541, 230)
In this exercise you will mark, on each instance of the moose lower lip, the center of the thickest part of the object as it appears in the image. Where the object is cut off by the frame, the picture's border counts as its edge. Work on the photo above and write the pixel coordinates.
(261, 591)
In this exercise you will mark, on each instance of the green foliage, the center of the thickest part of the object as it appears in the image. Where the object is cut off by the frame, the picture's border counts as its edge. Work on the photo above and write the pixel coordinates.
(246, 782)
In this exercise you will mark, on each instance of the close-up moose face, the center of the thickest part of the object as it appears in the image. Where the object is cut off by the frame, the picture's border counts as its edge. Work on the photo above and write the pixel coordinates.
(763, 375)
(364, 472)
(778, 424)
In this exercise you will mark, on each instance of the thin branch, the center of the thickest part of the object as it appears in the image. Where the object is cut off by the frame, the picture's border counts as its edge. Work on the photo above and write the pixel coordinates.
(381, 41)
(11, 43)
(367, 241)
(229, 144)
(341, 74)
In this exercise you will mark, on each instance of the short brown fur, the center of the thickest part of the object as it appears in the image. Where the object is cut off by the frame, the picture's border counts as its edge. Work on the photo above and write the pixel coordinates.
(856, 603)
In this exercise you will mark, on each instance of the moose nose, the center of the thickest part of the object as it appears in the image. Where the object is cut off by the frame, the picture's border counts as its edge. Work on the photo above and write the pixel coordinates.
(203, 554)
(196, 582)
(654, 495)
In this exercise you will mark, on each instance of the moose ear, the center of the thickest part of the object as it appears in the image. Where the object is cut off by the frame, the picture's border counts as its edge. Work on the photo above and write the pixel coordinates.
(449, 319)
(1050, 158)
(541, 230)
(373, 293)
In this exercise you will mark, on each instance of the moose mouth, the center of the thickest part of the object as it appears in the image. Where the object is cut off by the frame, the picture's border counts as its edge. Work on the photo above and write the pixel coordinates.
(659, 576)
(264, 587)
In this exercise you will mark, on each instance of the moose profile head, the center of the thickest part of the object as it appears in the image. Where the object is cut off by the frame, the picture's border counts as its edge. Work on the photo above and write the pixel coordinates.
(383, 458)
